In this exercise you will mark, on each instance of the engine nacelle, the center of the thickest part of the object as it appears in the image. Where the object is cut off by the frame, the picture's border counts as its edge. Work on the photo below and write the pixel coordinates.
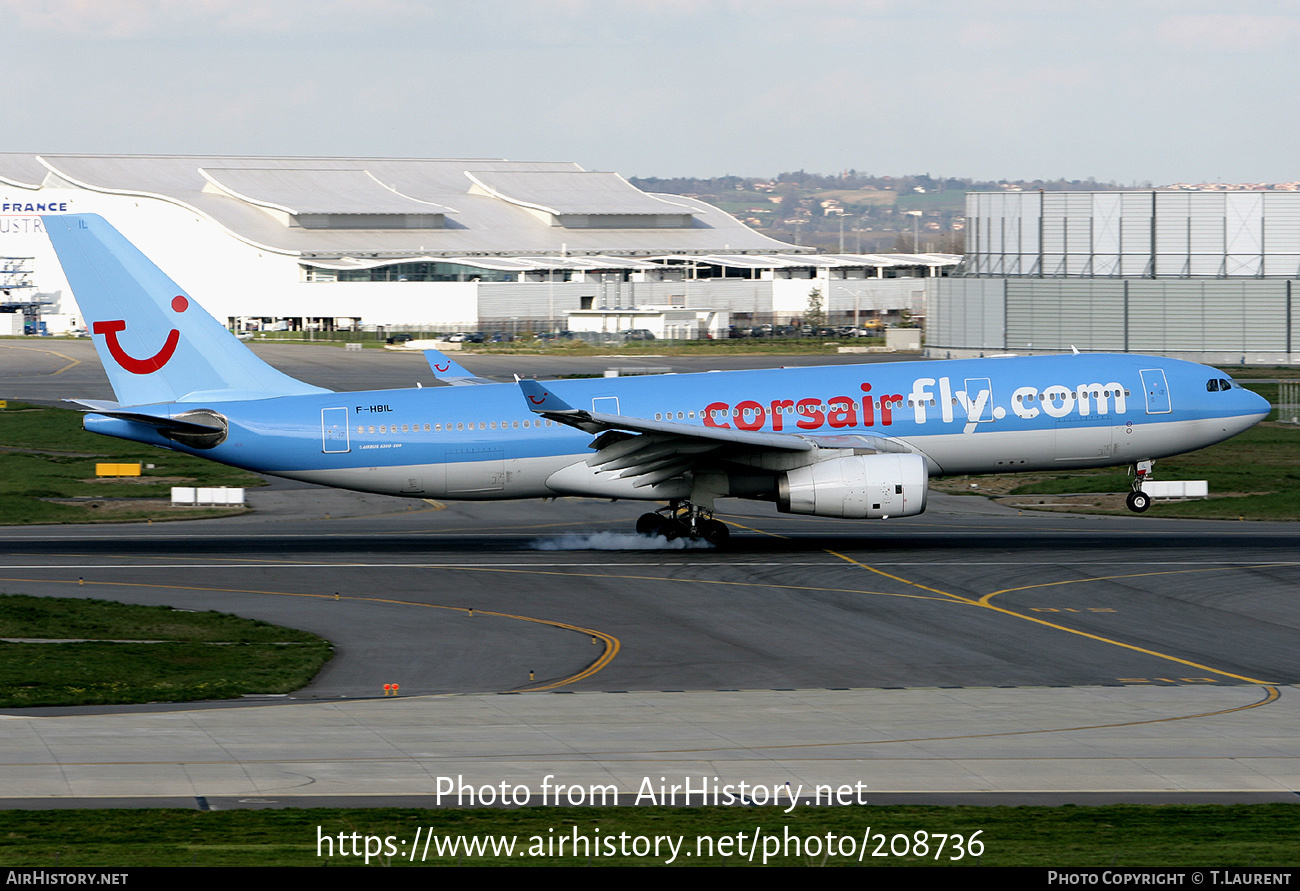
(856, 488)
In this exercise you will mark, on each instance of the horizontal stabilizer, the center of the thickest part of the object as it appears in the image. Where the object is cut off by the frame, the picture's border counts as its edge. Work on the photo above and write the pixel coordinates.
(193, 422)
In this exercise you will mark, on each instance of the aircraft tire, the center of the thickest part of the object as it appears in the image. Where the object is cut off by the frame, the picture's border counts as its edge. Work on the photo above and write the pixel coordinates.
(715, 533)
(1138, 501)
(649, 524)
(673, 529)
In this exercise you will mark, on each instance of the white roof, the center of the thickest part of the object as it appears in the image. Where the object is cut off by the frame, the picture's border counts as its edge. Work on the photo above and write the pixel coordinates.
(315, 191)
(572, 192)
(239, 194)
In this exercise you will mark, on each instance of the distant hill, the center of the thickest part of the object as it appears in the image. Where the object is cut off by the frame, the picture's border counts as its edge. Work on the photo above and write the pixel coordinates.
(853, 211)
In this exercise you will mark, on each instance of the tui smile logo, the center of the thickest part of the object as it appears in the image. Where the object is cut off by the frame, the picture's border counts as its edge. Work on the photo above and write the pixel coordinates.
(126, 360)
(441, 368)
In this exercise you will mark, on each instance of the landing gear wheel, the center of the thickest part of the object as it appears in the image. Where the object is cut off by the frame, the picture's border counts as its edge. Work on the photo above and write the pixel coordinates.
(681, 519)
(674, 529)
(649, 524)
(1138, 501)
(715, 532)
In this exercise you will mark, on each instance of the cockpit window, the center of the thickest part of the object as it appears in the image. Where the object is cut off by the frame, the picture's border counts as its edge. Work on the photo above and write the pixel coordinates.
(1212, 385)
(1225, 385)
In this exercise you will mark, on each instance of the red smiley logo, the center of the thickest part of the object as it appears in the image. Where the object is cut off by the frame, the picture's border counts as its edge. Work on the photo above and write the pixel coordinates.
(129, 362)
(538, 400)
(442, 367)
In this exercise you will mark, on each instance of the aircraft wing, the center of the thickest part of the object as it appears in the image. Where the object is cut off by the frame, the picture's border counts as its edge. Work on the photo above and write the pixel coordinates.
(449, 371)
(544, 402)
(655, 451)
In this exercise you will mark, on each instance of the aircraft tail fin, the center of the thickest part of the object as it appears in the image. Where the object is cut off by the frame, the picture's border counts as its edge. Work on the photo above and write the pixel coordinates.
(449, 371)
(156, 343)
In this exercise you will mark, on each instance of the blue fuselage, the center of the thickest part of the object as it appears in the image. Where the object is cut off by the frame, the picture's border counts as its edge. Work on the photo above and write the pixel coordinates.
(966, 416)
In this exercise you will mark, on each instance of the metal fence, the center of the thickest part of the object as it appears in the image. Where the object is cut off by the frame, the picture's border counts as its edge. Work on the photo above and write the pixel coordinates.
(1288, 402)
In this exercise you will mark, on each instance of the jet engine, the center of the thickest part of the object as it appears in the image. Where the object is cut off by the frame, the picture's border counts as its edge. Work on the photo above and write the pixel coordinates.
(858, 487)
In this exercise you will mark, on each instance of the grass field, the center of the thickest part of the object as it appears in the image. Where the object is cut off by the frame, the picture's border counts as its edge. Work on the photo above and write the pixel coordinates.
(126, 653)
(47, 473)
(1258, 836)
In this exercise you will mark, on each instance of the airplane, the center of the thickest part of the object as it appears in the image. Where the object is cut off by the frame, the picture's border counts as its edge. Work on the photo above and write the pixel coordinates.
(849, 441)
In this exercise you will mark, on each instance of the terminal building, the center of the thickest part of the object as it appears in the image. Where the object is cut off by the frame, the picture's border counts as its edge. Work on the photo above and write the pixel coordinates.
(1206, 276)
(444, 245)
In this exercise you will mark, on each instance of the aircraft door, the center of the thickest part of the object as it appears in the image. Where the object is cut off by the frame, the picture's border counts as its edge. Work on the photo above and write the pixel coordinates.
(1156, 391)
(471, 470)
(334, 431)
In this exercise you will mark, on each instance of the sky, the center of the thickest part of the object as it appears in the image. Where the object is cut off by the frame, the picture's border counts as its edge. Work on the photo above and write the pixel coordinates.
(1147, 90)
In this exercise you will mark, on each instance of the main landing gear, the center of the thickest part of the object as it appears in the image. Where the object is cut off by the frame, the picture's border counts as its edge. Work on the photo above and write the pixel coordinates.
(1137, 500)
(682, 519)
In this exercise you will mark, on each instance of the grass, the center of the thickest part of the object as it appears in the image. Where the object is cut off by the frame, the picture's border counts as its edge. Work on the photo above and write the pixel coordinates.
(127, 653)
(45, 454)
(1258, 836)
(847, 197)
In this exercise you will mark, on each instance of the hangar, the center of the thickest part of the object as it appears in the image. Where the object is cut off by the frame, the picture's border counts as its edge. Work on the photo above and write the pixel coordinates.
(1201, 275)
(445, 244)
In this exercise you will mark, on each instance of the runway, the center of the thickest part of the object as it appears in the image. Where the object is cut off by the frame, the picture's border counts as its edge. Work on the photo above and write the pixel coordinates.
(48, 370)
(968, 651)
(968, 594)
(973, 650)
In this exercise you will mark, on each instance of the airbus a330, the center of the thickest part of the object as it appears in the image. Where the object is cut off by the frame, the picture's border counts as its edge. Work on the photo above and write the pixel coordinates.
(850, 441)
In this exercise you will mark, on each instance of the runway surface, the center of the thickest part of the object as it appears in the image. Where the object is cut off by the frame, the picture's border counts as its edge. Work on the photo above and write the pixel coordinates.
(969, 594)
(973, 650)
(968, 652)
(48, 370)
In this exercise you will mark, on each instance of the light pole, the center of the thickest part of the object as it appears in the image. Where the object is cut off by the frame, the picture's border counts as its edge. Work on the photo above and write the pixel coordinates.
(856, 294)
(916, 230)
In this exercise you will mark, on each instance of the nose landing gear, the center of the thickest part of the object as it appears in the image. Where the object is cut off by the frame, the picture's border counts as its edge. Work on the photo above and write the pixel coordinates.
(682, 519)
(1137, 500)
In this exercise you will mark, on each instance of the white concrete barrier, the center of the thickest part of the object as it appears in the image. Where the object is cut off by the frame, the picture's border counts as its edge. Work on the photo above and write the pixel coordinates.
(227, 495)
(1163, 489)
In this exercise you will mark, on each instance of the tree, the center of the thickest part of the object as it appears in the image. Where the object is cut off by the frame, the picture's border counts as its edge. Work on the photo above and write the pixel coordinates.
(816, 314)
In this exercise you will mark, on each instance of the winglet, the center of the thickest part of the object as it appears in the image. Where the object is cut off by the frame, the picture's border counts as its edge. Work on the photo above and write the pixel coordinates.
(542, 401)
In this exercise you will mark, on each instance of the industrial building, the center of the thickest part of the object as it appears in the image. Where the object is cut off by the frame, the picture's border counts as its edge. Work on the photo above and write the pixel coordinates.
(1206, 276)
(450, 245)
